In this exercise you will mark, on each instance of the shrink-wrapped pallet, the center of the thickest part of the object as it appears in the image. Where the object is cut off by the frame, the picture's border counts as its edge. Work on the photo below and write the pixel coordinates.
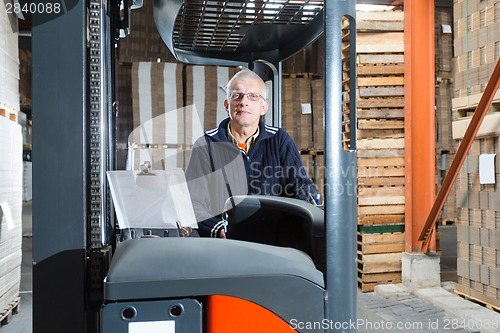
(11, 171)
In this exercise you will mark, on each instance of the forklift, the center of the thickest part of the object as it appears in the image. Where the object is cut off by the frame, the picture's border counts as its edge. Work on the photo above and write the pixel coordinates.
(304, 282)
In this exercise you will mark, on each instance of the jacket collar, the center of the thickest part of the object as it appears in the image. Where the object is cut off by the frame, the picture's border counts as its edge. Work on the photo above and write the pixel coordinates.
(219, 133)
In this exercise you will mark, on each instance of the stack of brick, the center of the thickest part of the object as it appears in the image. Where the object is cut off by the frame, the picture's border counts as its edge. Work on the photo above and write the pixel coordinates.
(477, 50)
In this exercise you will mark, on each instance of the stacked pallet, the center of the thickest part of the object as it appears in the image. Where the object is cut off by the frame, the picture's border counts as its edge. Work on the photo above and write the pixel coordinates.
(477, 50)
(9, 61)
(11, 164)
(478, 230)
(380, 144)
(379, 257)
(11, 169)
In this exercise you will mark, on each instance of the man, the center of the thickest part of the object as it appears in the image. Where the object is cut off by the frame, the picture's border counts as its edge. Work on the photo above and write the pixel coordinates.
(243, 156)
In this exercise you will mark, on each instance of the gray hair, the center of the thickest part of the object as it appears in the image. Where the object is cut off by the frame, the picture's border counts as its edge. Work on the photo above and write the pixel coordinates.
(245, 75)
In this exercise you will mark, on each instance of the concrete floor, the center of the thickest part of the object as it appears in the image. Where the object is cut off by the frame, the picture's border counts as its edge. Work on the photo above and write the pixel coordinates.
(371, 308)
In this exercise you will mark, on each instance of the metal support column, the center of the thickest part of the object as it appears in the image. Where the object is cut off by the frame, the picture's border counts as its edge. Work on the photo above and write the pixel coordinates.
(419, 120)
(340, 173)
(59, 168)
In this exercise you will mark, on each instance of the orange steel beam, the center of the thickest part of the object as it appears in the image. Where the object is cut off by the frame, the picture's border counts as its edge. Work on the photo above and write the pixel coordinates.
(419, 119)
(462, 151)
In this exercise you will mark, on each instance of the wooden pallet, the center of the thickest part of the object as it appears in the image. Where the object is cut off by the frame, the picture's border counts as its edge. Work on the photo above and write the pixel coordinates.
(471, 102)
(367, 282)
(8, 114)
(370, 286)
(379, 263)
(478, 299)
(449, 222)
(381, 243)
(12, 309)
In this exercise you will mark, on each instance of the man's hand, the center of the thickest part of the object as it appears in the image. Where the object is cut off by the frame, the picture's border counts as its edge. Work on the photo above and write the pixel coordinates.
(222, 234)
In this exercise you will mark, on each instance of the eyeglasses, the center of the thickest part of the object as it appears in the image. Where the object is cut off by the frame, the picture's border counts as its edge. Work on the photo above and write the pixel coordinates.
(237, 96)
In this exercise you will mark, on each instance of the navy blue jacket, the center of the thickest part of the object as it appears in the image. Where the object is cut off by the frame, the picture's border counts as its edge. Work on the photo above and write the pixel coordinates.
(218, 169)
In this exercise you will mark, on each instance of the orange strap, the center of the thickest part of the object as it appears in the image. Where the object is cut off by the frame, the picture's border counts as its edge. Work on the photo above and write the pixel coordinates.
(242, 145)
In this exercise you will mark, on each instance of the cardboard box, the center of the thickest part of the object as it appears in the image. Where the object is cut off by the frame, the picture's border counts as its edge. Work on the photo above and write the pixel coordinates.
(462, 234)
(490, 218)
(475, 271)
(472, 6)
(473, 199)
(484, 200)
(494, 201)
(495, 277)
(494, 239)
(474, 235)
(458, 9)
(462, 267)
(485, 237)
(484, 274)
(493, 30)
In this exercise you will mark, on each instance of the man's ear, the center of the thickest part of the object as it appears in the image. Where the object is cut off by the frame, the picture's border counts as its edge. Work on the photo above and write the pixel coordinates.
(226, 106)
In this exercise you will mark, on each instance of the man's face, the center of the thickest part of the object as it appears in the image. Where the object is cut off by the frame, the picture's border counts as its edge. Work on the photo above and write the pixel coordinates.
(243, 111)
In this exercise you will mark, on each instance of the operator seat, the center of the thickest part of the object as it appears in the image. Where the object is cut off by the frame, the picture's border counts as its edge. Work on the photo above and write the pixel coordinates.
(278, 221)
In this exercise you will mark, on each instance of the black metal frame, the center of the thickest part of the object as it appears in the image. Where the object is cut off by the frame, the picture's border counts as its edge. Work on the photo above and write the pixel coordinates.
(60, 168)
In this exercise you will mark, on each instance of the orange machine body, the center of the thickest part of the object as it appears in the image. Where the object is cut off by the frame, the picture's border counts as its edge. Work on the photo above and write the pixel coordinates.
(227, 314)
